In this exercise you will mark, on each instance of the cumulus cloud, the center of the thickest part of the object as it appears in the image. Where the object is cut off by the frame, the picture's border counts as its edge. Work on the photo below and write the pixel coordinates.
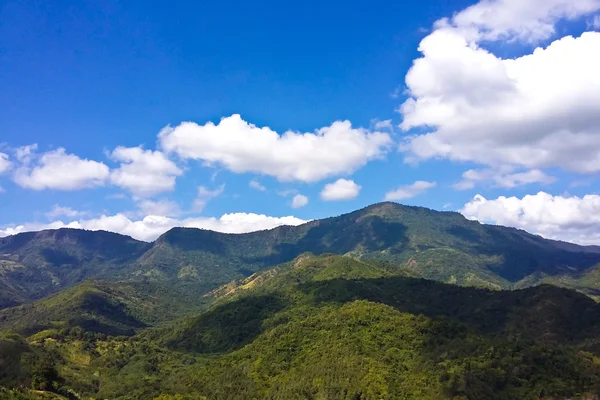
(5, 163)
(57, 170)
(505, 178)
(205, 195)
(342, 189)
(409, 191)
(60, 211)
(569, 218)
(143, 172)
(531, 20)
(256, 185)
(535, 111)
(299, 201)
(150, 227)
(292, 156)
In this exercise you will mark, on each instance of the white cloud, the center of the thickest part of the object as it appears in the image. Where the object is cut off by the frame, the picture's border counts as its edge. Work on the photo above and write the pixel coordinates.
(57, 170)
(299, 201)
(504, 177)
(385, 124)
(570, 218)
(5, 163)
(595, 24)
(256, 185)
(342, 189)
(143, 172)
(205, 195)
(536, 111)
(150, 227)
(242, 147)
(530, 20)
(25, 153)
(59, 211)
(409, 191)
(158, 207)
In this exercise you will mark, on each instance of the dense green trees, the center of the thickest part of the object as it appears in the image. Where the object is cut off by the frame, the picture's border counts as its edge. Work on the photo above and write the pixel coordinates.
(326, 327)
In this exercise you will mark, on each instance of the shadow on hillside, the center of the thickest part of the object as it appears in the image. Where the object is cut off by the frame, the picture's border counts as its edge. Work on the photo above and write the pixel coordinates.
(196, 240)
(548, 312)
(228, 326)
(336, 236)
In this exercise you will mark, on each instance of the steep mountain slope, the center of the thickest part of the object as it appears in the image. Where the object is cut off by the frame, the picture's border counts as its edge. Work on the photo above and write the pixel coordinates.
(338, 328)
(411, 241)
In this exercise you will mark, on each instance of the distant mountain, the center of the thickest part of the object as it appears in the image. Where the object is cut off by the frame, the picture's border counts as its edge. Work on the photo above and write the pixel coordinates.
(36, 264)
(410, 241)
(111, 308)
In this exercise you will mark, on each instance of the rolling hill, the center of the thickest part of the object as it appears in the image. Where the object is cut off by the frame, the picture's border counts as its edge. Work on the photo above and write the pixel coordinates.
(338, 328)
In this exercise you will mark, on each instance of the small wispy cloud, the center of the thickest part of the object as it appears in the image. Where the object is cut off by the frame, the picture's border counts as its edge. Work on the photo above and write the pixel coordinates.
(205, 195)
(299, 201)
(59, 211)
(256, 185)
(410, 191)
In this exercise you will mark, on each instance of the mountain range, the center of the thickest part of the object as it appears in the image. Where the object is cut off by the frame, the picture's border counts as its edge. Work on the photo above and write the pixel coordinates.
(387, 302)
(415, 241)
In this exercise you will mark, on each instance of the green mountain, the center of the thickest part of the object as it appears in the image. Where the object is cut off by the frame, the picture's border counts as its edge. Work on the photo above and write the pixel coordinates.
(410, 241)
(332, 327)
(110, 308)
(36, 264)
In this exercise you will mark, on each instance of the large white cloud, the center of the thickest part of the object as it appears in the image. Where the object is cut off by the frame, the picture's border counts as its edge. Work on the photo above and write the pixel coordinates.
(535, 111)
(143, 172)
(570, 218)
(342, 189)
(152, 226)
(242, 147)
(529, 20)
(57, 170)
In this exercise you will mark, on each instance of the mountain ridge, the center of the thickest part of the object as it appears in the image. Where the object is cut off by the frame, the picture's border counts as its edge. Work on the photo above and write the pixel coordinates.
(417, 241)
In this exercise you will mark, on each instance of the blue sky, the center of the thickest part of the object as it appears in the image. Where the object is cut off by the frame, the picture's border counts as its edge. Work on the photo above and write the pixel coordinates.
(88, 86)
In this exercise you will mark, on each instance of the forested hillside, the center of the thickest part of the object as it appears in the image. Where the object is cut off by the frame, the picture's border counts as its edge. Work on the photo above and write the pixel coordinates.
(409, 241)
(327, 327)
